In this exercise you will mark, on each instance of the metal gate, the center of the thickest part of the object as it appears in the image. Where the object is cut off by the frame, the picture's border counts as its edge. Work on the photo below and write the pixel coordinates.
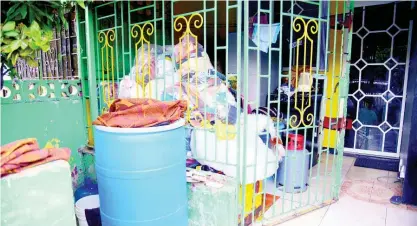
(293, 67)
(378, 74)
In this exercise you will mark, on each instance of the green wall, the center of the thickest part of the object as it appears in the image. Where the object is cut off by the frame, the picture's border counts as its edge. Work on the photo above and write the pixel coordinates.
(26, 113)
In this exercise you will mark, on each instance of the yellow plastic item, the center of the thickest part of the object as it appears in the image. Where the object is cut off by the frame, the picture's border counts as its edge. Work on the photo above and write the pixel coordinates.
(89, 124)
(206, 124)
(225, 131)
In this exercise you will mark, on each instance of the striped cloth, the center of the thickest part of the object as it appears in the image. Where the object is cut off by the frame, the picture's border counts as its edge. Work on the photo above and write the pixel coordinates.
(23, 154)
(142, 112)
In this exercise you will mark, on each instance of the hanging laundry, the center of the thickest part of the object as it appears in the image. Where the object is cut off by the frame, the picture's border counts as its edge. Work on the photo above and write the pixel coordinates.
(263, 19)
(137, 113)
(264, 35)
(22, 154)
(261, 30)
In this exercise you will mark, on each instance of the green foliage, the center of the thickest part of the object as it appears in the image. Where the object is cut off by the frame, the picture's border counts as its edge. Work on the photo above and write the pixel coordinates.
(26, 28)
(22, 41)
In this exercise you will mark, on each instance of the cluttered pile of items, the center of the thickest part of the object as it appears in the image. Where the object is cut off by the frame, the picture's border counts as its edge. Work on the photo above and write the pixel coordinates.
(167, 88)
(183, 72)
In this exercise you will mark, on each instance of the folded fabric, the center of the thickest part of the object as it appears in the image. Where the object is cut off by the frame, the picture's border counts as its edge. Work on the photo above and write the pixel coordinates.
(23, 154)
(137, 113)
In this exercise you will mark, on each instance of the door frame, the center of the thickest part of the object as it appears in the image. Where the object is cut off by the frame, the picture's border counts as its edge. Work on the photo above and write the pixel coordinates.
(404, 95)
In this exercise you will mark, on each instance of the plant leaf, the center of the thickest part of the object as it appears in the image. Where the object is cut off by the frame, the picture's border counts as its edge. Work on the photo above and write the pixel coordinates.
(31, 14)
(14, 58)
(6, 49)
(7, 41)
(14, 16)
(26, 52)
(23, 44)
(54, 4)
(63, 19)
(45, 47)
(23, 11)
(33, 46)
(11, 34)
(9, 26)
(12, 9)
(31, 62)
(15, 44)
(35, 30)
(81, 3)
(41, 13)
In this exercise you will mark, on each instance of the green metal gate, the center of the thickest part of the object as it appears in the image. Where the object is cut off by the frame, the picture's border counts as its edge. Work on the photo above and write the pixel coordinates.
(309, 56)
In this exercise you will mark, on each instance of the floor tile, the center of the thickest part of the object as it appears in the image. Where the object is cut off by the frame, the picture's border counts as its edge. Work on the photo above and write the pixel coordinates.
(280, 208)
(321, 188)
(310, 219)
(360, 190)
(361, 173)
(382, 193)
(412, 208)
(364, 200)
(348, 161)
(396, 217)
(349, 211)
(393, 174)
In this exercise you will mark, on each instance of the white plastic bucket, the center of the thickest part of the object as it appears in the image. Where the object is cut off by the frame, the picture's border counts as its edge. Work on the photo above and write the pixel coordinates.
(88, 202)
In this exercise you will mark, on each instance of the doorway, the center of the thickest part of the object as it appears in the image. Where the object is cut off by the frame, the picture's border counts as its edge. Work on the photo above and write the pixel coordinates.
(378, 77)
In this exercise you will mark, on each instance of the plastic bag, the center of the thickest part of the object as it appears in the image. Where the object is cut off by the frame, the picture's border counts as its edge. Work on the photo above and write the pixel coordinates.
(164, 66)
(128, 88)
(143, 69)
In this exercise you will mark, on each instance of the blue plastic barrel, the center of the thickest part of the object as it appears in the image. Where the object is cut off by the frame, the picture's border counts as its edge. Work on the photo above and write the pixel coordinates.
(141, 175)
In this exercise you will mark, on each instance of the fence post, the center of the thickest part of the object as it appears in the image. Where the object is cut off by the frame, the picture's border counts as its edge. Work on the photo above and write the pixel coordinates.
(91, 62)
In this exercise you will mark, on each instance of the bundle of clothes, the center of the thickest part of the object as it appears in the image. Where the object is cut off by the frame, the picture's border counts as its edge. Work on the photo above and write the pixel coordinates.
(184, 72)
(141, 113)
(23, 154)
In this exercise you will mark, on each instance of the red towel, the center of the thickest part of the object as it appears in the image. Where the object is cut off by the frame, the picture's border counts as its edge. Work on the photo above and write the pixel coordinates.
(23, 154)
(136, 113)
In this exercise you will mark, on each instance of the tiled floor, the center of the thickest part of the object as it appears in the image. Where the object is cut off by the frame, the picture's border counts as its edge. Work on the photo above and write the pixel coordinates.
(364, 201)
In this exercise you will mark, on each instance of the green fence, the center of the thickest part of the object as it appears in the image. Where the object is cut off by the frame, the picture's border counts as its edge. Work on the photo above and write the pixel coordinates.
(309, 57)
